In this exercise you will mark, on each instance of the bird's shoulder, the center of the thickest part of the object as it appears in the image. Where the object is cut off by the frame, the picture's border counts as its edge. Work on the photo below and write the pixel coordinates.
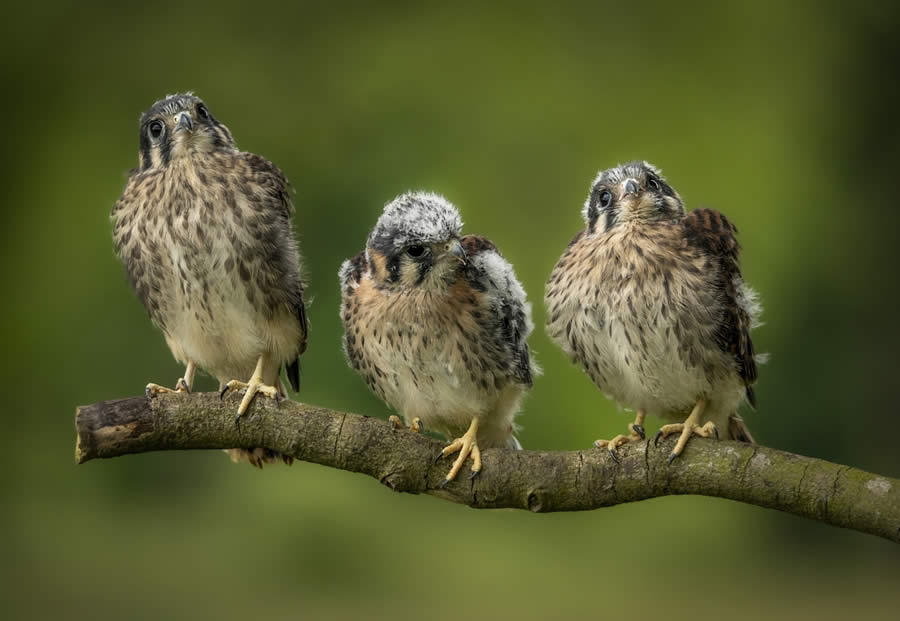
(710, 231)
(261, 178)
(139, 185)
(351, 272)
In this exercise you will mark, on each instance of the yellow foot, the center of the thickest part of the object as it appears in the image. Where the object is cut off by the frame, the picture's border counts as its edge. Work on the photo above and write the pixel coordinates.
(252, 387)
(619, 440)
(635, 432)
(156, 389)
(687, 429)
(416, 425)
(466, 445)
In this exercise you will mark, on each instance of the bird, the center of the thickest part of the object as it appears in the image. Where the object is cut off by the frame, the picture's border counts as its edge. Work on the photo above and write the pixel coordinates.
(437, 325)
(650, 301)
(205, 234)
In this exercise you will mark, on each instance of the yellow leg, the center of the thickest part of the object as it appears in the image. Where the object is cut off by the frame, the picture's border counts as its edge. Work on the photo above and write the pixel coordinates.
(415, 426)
(254, 386)
(636, 432)
(183, 384)
(466, 445)
(688, 428)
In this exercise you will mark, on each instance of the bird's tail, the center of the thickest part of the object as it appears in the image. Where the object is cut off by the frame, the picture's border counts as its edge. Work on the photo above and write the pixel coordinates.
(258, 456)
(737, 430)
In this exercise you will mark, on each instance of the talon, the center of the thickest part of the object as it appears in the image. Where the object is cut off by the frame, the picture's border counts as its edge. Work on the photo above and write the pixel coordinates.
(222, 392)
(148, 392)
(474, 474)
(716, 432)
(672, 456)
(612, 454)
(639, 429)
(438, 458)
(444, 483)
(656, 438)
(467, 446)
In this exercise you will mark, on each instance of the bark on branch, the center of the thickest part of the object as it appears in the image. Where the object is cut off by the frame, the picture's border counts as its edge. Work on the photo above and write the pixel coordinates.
(534, 480)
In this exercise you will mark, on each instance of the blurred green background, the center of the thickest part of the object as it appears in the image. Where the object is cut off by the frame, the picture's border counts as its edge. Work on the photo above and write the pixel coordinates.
(784, 117)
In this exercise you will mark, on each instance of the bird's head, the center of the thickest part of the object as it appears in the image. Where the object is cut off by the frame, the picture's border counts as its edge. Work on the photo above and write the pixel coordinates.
(180, 126)
(634, 192)
(415, 243)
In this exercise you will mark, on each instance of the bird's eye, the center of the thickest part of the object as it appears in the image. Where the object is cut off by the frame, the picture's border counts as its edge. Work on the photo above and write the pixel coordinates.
(155, 129)
(415, 251)
(653, 184)
(605, 198)
(202, 112)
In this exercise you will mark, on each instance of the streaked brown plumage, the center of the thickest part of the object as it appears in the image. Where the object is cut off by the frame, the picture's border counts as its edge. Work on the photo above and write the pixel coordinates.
(204, 231)
(437, 325)
(651, 303)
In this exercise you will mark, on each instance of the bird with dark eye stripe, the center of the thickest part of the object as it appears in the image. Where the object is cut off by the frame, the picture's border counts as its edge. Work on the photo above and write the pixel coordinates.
(436, 323)
(650, 302)
(204, 231)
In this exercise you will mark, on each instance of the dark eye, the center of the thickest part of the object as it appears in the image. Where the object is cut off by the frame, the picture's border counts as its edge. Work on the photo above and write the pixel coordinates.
(653, 184)
(605, 198)
(155, 129)
(415, 251)
(202, 112)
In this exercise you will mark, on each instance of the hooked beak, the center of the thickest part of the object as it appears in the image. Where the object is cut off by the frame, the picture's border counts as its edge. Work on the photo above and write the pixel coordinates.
(455, 248)
(183, 122)
(631, 187)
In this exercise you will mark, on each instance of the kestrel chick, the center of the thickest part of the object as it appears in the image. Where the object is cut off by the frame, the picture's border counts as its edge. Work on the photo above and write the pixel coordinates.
(437, 325)
(204, 231)
(650, 301)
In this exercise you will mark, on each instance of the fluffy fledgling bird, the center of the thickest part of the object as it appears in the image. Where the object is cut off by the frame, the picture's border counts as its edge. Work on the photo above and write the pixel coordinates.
(650, 301)
(204, 231)
(437, 325)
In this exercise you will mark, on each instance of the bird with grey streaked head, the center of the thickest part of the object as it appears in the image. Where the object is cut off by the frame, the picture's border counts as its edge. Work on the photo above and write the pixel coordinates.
(650, 301)
(204, 231)
(436, 323)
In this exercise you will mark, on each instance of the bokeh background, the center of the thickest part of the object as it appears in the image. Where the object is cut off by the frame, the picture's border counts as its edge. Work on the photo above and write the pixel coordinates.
(783, 115)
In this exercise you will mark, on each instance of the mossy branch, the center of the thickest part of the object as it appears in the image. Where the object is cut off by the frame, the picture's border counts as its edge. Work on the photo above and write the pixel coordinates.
(539, 481)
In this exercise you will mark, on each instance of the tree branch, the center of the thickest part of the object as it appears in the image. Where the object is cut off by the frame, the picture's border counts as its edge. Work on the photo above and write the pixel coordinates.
(534, 480)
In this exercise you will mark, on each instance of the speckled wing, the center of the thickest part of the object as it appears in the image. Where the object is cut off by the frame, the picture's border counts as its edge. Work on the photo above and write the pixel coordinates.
(349, 276)
(508, 324)
(710, 232)
(133, 246)
(268, 192)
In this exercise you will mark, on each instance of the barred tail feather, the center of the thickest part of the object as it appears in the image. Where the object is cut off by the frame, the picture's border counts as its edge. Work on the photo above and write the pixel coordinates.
(737, 430)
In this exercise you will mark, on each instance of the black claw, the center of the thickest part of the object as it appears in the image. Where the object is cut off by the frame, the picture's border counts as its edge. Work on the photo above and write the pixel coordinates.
(612, 454)
(672, 456)
(716, 431)
(148, 392)
(438, 458)
(222, 393)
(657, 437)
(475, 474)
(639, 429)
(183, 384)
(444, 483)
(237, 419)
